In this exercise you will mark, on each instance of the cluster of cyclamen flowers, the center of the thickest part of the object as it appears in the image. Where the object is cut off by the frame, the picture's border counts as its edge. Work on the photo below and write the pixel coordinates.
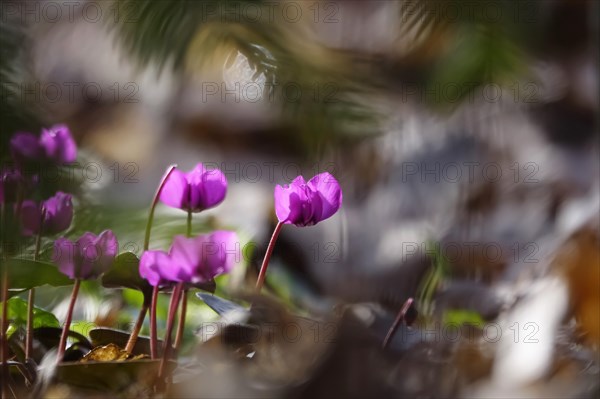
(299, 203)
(199, 259)
(192, 259)
(189, 261)
(87, 257)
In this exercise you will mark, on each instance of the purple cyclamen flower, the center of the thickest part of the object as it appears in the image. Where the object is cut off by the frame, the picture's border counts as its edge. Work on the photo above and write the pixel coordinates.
(192, 260)
(155, 266)
(25, 147)
(58, 144)
(55, 144)
(196, 190)
(88, 257)
(57, 211)
(306, 204)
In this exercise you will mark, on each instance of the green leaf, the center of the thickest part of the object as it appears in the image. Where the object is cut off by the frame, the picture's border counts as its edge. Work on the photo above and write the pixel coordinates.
(17, 314)
(49, 337)
(124, 273)
(24, 274)
(459, 317)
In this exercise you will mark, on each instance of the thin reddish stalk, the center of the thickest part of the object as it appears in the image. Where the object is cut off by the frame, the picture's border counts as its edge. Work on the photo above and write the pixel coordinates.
(4, 323)
(136, 329)
(65, 333)
(167, 341)
(153, 333)
(29, 327)
(4, 343)
(396, 324)
(31, 296)
(181, 321)
(265, 264)
(153, 206)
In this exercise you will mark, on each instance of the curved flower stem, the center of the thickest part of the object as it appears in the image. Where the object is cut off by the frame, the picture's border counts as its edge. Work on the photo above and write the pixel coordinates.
(136, 329)
(31, 296)
(181, 321)
(263, 268)
(396, 324)
(65, 333)
(4, 327)
(153, 206)
(189, 223)
(4, 324)
(167, 341)
(153, 334)
(29, 333)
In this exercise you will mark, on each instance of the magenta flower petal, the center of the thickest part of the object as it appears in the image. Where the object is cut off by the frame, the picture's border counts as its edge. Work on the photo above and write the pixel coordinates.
(64, 257)
(108, 248)
(58, 213)
(200, 259)
(88, 257)
(186, 255)
(329, 191)
(175, 192)
(207, 188)
(58, 144)
(223, 253)
(26, 147)
(155, 267)
(289, 199)
(195, 191)
(306, 204)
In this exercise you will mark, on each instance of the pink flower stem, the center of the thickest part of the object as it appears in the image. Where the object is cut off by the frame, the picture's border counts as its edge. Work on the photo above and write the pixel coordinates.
(189, 223)
(65, 333)
(263, 268)
(4, 342)
(181, 321)
(167, 341)
(31, 296)
(4, 323)
(4, 327)
(182, 313)
(153, 206)
(153, 333)
(396, 324)
(136, 329)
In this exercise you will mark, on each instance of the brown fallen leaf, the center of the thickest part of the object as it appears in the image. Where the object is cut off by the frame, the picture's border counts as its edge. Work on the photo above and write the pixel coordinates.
(579, 261)
(107, 353)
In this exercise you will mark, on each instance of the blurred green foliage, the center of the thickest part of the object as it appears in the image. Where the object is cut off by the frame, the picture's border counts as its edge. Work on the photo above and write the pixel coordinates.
(17, 316)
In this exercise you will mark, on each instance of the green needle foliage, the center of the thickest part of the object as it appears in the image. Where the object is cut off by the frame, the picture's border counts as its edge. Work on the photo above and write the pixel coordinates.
(431, 282)
(189, 34)
(15, 113)
(483, 43)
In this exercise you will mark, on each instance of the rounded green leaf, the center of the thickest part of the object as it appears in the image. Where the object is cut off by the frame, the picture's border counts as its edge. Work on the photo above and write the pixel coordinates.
(124, 273)
(24, 274)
